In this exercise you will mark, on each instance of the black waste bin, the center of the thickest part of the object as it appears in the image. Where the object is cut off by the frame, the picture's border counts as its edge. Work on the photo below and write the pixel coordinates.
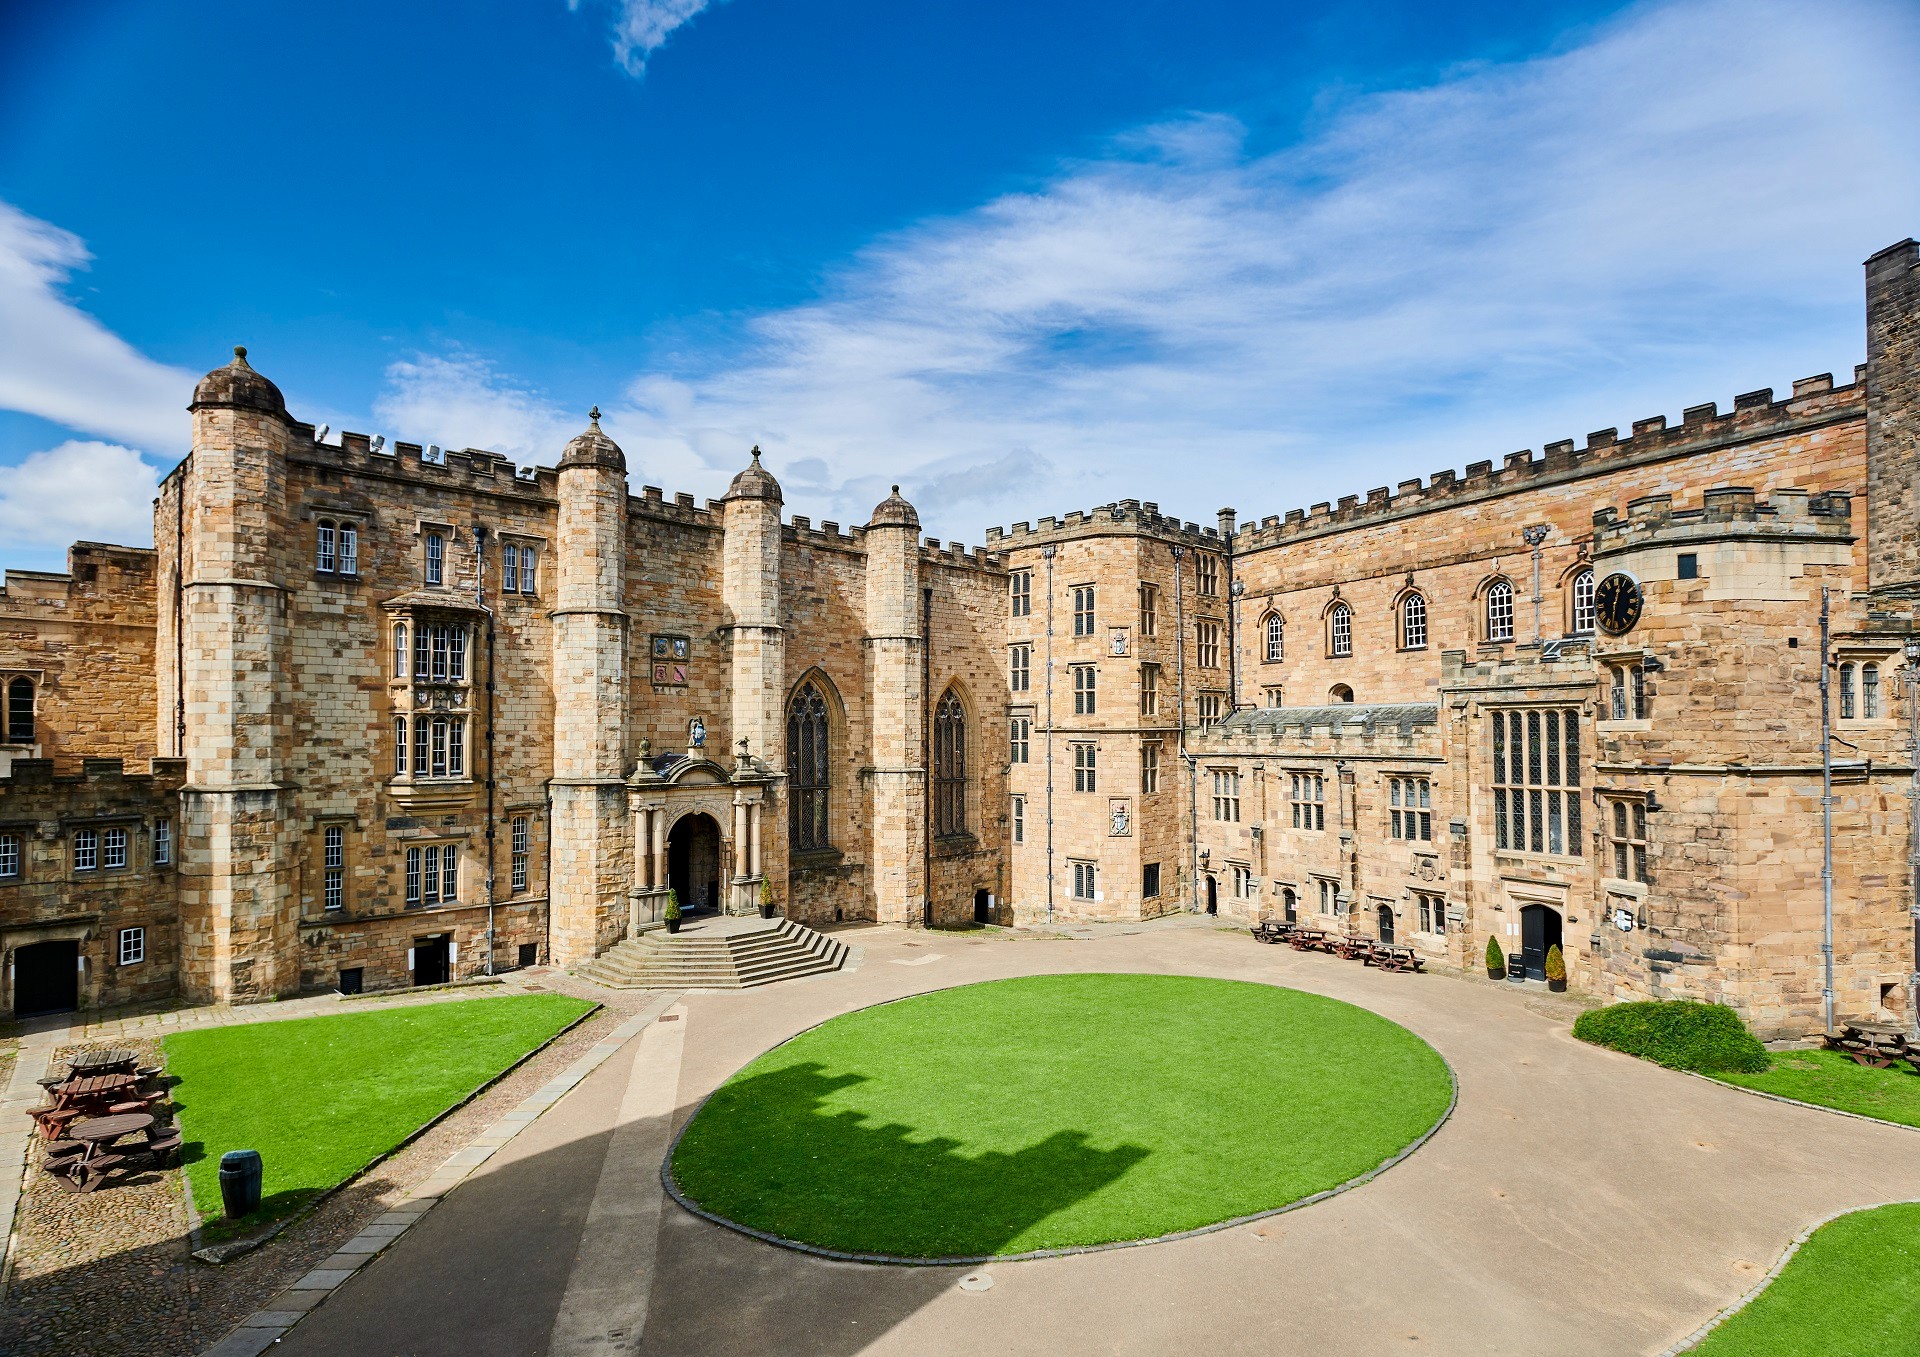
(240, 1182)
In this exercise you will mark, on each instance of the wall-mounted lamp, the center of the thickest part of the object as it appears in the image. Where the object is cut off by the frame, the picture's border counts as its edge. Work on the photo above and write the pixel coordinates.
(1206, 856)
(1653, 801)
(1913, 650)
(1651, 664)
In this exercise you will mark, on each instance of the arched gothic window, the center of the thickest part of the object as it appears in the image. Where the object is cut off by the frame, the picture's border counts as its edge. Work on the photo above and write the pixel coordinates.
(1340, 630)
(1413, 621)
(1276, 639)
(1500, 611)
(20, 711)
(1583, 603)
(807, 756)
(949, 767)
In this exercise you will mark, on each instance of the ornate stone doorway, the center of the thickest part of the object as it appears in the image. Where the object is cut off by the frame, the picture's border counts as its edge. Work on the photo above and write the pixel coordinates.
(693, 862)
(1383, 914)
(1539, 930)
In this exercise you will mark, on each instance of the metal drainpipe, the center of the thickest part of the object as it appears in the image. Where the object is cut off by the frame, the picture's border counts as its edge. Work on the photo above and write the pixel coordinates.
(480, 597)
(1826, 819)
(1047, 553)
(1180, 668)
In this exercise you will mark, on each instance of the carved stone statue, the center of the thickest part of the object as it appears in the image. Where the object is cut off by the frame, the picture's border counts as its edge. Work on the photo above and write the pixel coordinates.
(697, 733)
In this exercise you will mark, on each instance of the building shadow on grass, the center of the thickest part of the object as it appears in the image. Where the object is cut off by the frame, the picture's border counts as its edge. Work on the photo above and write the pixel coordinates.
(771, 1153)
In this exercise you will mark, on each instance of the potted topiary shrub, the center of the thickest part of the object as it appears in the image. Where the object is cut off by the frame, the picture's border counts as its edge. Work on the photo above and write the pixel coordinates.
(1556, 969)
(766, 898)
(1496, 959)
(672, 916)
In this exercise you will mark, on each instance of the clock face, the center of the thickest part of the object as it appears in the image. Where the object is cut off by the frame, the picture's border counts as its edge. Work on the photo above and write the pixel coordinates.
(1616, 604)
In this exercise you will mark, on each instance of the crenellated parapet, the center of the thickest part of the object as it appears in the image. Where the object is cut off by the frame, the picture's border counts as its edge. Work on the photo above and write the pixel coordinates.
(1131, 517)
(1815, 401)
(1725, 513)
(1358, 730)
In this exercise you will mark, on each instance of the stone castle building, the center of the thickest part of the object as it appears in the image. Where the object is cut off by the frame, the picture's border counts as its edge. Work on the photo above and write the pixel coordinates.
(369, 715)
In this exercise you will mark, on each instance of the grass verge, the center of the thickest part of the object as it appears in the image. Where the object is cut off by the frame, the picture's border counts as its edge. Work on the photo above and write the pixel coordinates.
(1057, 1112)
(1852, 1290)
(322, 1098)
(1830, 1079)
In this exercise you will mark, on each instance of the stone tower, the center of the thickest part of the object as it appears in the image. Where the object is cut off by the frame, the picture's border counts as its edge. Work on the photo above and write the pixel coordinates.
(1893, 416)
(751, 591)
(896, 680)
(591, 854)
(237, 911)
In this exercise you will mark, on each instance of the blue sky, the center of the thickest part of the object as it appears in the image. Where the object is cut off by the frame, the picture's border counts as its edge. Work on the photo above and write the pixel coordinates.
(1021, 258)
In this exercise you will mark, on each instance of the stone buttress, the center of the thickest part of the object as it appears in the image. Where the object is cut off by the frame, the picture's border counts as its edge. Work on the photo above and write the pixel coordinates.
(750, 584)
(896, 681)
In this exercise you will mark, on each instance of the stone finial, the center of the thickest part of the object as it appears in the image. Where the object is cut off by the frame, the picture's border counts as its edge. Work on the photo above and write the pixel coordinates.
(756, 482)
(894, 512)
(593, 448)
(237, 384)
(593, 417)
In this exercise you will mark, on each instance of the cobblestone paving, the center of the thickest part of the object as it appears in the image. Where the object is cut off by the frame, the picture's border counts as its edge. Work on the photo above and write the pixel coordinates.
(108, 1274)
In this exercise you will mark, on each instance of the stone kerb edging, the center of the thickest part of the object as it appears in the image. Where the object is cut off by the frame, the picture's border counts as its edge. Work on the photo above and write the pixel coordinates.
(957, 1260)
(1699, 1335)
(1794, 1102)
(268, 1325)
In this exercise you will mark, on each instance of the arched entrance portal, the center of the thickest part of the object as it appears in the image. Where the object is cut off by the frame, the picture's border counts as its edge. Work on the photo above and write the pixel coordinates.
(693, 862)
(1213, 895)
(46, 978)
(1385, 915)
(1539, 930)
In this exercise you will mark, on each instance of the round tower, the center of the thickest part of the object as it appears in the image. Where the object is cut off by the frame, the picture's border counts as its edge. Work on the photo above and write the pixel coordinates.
(897, 699)
(591, 854)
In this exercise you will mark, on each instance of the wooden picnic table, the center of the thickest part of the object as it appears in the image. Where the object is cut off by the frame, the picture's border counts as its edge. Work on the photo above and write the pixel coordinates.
(94, 1088)
(1351, 947)
(1392, 958)
(1873, 1044)
(101, 1062)
(1308, 939)
(99, 1159)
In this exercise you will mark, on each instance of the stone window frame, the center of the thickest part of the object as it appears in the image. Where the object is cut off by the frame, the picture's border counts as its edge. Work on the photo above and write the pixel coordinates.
(1149, 881)
(1150, 690)
(333, 866)
(1085, 873)
(527, 552)
(1020, 593)
(1498, 610)
(1020, 667)
(84, 844)
(1338, 619)
(1327, 893)
(161, 854)
(1307, 795)
(1206, 575)
(1086, 609)
(1626, 703)
(1086, 765)
(130, 945)
(951, 763)
(1018, 810)
(116, 849)
(810, 789)
(1273, 637)
(1410, 807)
(1624, 827)
(13, 854)
(419, 858)
(1208, 707)
(330, 521)
(1579, 614)
(1430, 910)
(1855, 700)
(1411, 616)
(15, 730)
(519, 852)
(1207, 648)
(426, 530)
(1149, 610)
(1275, 694)
(1086, 689)
(1226, 795)
(1150, 752)
(1539, 773)
(416, 701)
(1019, 738)
(1245, 885)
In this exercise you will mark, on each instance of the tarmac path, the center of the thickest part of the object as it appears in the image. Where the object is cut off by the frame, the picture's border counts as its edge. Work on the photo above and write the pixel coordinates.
(1577, 1202)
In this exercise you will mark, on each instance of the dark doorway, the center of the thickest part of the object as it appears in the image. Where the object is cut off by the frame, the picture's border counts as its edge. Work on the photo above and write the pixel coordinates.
(1539, 930)
(982, 907)
(432, 961)
(1386, 923)
(1213, 895)
(693, 863)
(46, 978)
(1291, 904)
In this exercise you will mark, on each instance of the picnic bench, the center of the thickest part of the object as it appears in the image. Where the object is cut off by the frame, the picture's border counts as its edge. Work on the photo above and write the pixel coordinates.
(91, 1152)
(1390, 958)
(1876, 1045)
(1270, 930)
(80, 1096)
(1352, 947)
(1308, 940)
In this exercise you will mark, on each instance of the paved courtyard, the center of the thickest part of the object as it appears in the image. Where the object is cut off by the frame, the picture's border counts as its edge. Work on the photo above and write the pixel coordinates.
(1577, 1201)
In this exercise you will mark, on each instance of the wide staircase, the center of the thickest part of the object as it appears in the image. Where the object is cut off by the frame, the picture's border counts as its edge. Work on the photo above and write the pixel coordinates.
(716, 953)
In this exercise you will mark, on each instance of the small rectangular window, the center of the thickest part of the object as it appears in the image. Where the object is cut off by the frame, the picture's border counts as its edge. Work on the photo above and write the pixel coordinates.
(113, 848)
(1150, 880)
(1019, 819)
(1086, 681)
(9, 856)
(527, 570)
(334, 867)
(1207, 644)
(1019, 739)
(522, 839)
(163, 843)
(133, 946)
(349, 549)
(1149, 690)
(353, 979)
(1083, 614)
(323, 554)
(1226, 795)
(1083, 887)
(449, 875)
(436, 558)
(1210, 704)
(509, 569)
(1150, 767)
(1689, 564)
(1149, 610)
(1020, 669)
(86, 850)
(1309, 800)
(415, 889)
(1207, 576)
(1086, 768)
(1020, 593)
(529, 954)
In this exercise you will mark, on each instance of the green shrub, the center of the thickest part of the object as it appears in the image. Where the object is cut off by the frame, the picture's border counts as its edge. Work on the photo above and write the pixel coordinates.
(673, 905)
(1556, 967)
(766, 892)
(1496, 959)
(1678, 1033)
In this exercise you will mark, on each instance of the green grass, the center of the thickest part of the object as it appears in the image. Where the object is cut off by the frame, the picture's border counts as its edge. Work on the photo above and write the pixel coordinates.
(1681, 1034)
(321, 1098)
(1853, 1290)
(1829, 1079)
(1057, 1111)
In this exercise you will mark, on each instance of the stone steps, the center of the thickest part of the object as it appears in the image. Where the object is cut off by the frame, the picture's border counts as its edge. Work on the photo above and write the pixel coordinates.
(742, 960)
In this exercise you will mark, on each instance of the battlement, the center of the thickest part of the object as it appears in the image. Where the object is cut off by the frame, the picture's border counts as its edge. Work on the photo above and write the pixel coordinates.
(1755, 414)
(162, 775)
(1556, 663)
(427, 464)
(959, 557)
(1725, 511)
(1384, 728)
(652, 502)
(1130, 516)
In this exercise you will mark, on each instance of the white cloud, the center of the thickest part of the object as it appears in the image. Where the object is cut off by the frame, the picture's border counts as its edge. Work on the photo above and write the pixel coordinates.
(458, 400)
(79, 491)
(641, 28)
(61, 364)
(1673, 211)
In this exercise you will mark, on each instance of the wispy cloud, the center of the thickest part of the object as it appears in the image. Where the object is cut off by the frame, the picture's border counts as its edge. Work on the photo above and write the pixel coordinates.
(60, 363)
(1673, 210)
(641, 28)
(459, 400)
(78, 491)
